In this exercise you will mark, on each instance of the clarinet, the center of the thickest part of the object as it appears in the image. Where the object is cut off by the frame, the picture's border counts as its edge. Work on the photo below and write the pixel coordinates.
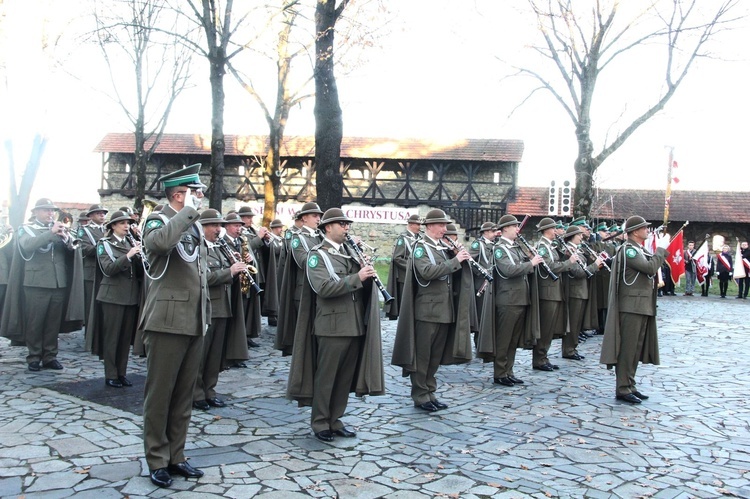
(595, 255)
(485, 273)
(564, 245)
(229, 254)
(534, 252)
(363, 262)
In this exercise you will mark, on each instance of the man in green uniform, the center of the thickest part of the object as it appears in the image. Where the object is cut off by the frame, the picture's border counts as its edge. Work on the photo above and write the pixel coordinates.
(434, 326)
(89, 235)
(402, 251)
(630, 332)
(294, 278)
(340, 308)
(175, 318)
(481, 251)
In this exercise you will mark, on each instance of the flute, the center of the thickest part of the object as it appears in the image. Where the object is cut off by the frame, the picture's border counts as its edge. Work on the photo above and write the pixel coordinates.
(363, 261)
(485, 273)
(534, 252)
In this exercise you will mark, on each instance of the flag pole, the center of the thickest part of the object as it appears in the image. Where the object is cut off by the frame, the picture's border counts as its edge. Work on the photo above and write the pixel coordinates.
(668, 194)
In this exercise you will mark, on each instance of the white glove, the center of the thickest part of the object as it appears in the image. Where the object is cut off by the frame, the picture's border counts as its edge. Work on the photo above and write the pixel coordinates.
(662, 242)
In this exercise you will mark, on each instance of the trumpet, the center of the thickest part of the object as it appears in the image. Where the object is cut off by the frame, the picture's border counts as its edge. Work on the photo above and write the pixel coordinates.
(246, 279)
(73, 240)
(273, 236)
(484, 272)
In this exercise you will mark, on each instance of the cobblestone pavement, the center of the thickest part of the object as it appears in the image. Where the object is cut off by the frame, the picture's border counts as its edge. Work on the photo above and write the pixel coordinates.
(562, 434)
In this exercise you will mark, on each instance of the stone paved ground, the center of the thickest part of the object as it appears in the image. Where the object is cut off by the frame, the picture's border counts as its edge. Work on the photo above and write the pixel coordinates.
(560, 435)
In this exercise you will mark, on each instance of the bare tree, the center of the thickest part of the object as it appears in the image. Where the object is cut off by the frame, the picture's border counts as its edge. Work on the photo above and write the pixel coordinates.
(287, 50)
(157, 71)
(329, 124)
(582, 39)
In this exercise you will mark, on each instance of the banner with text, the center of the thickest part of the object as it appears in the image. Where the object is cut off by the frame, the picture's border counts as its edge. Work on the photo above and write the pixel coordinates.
(361, 214)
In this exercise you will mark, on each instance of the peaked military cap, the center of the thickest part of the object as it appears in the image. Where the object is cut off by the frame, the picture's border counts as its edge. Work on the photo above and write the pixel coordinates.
(233, 218)
(276, 223)
(97, 207)
(507, 220)
(211, 216)
(436, 216)
(572, 231)
(580, 222)
(334, 215)
(487, 226)
(635, 222)
(119, 216)
(615, 228)
(44, 204)
(451, 230)
(560, 225)
(307, 209)
(602, 226)
(545, 223)
(188, 176)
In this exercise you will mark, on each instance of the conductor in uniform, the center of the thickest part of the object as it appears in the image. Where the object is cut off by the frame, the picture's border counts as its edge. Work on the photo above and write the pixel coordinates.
(630, 332)
(175, 318)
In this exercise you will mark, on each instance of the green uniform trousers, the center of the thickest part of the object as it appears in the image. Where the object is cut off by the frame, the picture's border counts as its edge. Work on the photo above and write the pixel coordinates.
(44, 312)
(334, 377)
(213, 349)
(632, 334)
(172, 363)
(509, 324)
(550, 322)
(118, 328)
(429, 346)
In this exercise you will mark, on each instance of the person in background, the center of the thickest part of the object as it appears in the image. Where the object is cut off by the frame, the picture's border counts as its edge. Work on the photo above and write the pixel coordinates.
(690, 276)
(744, 282)
(724, 269)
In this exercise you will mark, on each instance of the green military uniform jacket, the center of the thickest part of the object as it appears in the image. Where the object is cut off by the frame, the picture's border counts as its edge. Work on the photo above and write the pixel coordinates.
(177, 301)
(632, 290)
(90, 235)
(402, 251)
(336, 303)
(481, 250)
(226, 301)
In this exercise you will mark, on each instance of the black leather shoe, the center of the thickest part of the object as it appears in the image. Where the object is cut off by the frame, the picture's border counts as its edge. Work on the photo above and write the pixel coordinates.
(343, 432)
(125, 381)
(325, 436)
(640, 395)
(544, 367)
(629, 398)
(114, 383)
(554, 366)
(53, 364)
(238, 364)
(439, 404)
(573, 357)
(504, 381)
(184, 469)
(252, 344)
(34, 366)
(515, 380)
(428, 406)
(215, 402)
(161, 478)
(202, 405)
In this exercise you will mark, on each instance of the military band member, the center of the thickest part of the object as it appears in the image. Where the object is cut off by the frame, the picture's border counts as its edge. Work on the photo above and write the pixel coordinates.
(552, 317)
(481, 250)
(340, 308)
(294, 278)
(175, 318)
(272, 252)
(118, 296)
(286, 250)
(89, 236)
(515, 304)
(630, 333)
(238, 240)
(42, 267)
(577, 292)
(402, 251)
(434, 324)
(221, 274)
(6, 257)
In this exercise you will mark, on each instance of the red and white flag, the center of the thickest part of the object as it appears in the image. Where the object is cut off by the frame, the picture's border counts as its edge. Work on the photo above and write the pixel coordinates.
(700, 258)
(675, 260)
(738, 272)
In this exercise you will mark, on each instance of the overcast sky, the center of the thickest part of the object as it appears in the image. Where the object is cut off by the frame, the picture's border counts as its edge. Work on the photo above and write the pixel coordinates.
(437, 75)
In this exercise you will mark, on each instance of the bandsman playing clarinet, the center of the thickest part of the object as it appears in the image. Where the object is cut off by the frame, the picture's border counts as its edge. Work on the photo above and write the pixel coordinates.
(337, 348)
(630, 332)
(481, 251)
(434, 324)
(402, 251)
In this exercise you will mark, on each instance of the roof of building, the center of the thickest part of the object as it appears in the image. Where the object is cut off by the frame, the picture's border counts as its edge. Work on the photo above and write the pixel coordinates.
(618, 204)
(351, 147)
